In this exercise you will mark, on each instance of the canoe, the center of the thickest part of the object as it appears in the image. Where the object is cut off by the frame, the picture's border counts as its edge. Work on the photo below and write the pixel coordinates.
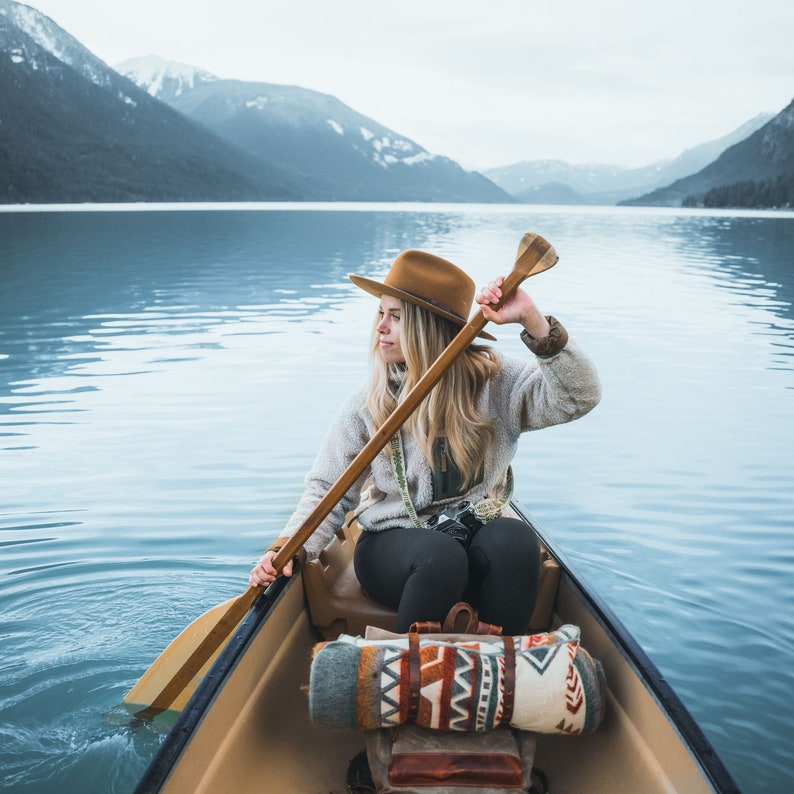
(246, 725)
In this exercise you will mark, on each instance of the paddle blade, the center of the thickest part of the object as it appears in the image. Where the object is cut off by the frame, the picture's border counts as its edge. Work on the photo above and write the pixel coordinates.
(170, 662)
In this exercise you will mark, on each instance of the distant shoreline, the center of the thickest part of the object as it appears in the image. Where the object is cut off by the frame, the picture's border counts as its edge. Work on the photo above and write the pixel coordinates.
(389, 206)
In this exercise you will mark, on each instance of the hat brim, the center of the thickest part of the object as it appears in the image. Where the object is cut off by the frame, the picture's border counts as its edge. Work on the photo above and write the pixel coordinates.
(377, 289)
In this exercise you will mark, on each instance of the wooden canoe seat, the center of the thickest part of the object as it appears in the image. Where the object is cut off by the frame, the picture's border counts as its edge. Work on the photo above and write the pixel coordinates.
(338, 605)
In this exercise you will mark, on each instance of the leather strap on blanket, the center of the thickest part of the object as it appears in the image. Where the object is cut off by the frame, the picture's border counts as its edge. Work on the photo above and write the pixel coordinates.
(415, 675)
(461, 619)
(509, 693)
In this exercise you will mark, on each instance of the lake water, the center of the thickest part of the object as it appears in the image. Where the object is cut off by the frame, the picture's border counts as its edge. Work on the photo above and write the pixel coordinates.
(166, 376)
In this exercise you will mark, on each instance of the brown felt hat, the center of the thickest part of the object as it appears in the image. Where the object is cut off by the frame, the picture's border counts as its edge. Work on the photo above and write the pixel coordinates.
(427, 281)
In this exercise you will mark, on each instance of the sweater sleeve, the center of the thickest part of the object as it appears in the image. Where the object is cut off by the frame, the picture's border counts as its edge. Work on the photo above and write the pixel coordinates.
(553, 390)
(346, 437)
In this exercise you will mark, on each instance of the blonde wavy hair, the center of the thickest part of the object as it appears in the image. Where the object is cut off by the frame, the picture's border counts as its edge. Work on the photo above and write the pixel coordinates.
(450, 410)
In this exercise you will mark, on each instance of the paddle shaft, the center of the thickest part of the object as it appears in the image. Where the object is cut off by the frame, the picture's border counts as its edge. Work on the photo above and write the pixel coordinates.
(534, 256)
(537, 250)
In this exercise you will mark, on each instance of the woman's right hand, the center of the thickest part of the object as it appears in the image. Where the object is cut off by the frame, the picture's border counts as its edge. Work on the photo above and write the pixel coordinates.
(518, 308)
(263, 573)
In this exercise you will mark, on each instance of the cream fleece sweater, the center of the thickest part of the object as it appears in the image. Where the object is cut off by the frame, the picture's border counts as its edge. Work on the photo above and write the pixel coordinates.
(523, 395)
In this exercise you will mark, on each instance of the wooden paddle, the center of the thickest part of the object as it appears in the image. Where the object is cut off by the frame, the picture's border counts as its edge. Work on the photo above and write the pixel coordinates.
(206, 635)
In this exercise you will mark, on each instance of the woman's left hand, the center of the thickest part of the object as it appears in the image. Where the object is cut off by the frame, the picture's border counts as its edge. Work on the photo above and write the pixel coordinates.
(518, 308)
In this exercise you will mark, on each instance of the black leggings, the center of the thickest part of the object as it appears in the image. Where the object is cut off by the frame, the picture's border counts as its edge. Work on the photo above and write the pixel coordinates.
(422, 573)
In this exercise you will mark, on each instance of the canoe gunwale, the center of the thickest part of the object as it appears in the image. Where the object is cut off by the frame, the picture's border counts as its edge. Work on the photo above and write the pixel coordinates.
(199, 704)
(680, 717)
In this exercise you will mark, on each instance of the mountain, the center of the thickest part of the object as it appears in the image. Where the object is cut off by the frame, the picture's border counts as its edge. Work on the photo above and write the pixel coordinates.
(541, 181)
(537, 181)
(756, 172)
(74, 130)
(549, 191)
(698, 157)
(347, 155)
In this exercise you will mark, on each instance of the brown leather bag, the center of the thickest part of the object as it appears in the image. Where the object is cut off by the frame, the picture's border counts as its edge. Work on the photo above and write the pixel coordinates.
(412, 759)
(416, 760)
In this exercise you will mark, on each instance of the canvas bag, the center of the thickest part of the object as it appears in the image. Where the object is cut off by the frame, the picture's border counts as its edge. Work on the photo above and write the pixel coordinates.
(411, 759)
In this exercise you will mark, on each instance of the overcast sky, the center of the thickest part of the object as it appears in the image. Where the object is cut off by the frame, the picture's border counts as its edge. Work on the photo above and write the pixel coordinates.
(487, 83)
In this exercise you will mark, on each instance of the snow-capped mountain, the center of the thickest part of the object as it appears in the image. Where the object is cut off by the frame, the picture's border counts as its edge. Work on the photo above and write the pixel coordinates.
(51, 39)
(74, 130)
(161, 79)
(348, 155)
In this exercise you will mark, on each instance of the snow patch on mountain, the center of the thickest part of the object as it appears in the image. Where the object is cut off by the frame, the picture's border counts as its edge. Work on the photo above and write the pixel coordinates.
(258, 103)
(336, 127)
(38, 27)
(422, 157)
(388, 151)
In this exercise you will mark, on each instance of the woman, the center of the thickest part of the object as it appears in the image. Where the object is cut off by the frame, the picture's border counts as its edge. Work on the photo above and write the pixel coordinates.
(455, 448)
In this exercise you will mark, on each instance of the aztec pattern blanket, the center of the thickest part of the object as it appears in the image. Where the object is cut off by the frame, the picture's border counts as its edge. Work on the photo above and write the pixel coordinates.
(364, 684)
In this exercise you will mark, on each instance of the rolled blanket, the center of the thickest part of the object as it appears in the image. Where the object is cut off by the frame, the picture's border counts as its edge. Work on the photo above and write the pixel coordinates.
(366, 684)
